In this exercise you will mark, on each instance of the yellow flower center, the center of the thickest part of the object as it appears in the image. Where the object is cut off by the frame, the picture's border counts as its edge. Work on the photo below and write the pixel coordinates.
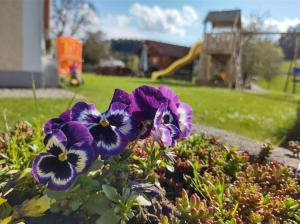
(104, 123)
(63, 156)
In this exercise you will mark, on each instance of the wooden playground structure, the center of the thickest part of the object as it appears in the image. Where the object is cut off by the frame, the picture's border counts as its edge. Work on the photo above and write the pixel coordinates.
(221, 50)
(220, 54)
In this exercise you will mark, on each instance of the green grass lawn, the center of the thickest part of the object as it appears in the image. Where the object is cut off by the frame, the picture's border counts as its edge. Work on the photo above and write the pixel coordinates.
(258, 116)
(278, 83)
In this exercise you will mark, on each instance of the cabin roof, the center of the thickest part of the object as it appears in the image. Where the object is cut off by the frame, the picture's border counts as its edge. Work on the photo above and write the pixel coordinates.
(170, 50)
(224, 18)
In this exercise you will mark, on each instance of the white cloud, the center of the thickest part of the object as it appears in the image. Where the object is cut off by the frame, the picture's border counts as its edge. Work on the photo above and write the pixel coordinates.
(282, 25)
(274, 24)
(157, 19)
(140, 22)
(119, 27)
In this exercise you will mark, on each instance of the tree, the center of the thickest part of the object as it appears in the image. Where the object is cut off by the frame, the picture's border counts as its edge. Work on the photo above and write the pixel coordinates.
(287, 42)
(70, 17)
(261, 57)
(94, 48)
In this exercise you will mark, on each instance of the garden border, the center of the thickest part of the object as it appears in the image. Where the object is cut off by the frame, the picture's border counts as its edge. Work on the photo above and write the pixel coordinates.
(279, 154)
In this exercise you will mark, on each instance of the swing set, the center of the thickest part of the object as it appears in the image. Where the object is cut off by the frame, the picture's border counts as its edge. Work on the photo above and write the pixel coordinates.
(294, 68)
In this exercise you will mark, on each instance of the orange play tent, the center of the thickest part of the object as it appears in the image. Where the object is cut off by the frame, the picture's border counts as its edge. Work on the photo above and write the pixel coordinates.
(69, 53)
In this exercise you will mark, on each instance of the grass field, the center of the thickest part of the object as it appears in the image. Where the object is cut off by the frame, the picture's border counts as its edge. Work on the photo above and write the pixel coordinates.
(258, 116)
(278, 83)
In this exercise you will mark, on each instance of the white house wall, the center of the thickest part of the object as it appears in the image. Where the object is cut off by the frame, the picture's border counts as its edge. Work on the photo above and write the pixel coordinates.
(32, 25)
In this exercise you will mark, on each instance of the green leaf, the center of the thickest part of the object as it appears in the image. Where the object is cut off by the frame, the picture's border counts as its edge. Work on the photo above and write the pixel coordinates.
(96, 204)
(108, 217)
(57, 195)
(141, 200)
(75, 205)
(110, 192)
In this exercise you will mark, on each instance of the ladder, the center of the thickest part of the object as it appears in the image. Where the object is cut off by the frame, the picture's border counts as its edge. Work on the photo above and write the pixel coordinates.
(293, 70)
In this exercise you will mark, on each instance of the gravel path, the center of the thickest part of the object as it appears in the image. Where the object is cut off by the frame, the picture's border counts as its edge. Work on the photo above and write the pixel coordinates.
(282, 155)
(40, 93)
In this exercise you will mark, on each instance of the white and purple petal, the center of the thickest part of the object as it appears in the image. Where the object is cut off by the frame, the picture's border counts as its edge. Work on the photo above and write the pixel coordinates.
(85, 113)
(165, 135)
(56, 144)
(159, 115)
(109, 140)
(119, 117)
(57, 175)
(81, 156)
(174, 131)
(185, 119)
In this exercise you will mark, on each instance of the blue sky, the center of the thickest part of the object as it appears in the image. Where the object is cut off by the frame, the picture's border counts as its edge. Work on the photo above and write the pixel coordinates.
(180, 21)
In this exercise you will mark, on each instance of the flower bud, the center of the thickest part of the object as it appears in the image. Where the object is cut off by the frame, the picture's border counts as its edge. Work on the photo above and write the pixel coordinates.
(185, 199)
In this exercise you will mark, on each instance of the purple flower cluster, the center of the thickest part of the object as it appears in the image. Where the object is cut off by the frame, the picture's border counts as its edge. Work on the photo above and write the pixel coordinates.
(76, 138)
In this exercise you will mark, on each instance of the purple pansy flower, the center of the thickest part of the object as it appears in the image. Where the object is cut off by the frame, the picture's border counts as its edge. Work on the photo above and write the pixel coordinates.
(173, 99)
(56, 123)
(146, 101)
(112, 130)
(164, 129)
(149, 189)
(185, 119)
(66, 157)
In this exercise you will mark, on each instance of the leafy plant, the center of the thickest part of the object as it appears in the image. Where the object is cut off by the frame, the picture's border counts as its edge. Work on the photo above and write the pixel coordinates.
(122, 205)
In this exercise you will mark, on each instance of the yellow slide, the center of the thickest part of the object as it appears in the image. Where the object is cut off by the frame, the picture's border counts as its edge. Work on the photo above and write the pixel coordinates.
(193, 53)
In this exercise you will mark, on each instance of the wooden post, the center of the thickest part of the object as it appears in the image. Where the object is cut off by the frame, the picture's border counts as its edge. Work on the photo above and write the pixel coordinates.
(294, 63)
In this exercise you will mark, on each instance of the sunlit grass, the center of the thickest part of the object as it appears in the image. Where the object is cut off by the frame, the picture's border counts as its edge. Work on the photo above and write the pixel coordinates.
(259, 116)
(278, 83)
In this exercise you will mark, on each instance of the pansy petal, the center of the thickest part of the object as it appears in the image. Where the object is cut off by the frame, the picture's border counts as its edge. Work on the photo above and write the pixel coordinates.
(118, 106)
(185, 119)
(57, 140)
(148, 100)
(119, 117)
(63, 177)
(85, 113)
(174, 131)
(81, 157)
(165, 135)
(170, 155)
(76, 132)
(66, 116)
(39, 174)
(109, 140)
(52, 124)
(56, 144)
(171, 96)
(121, 96)
(48, 170)
(159, 115)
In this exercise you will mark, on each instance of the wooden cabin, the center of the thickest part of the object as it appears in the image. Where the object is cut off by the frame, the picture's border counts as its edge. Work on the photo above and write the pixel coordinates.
(221, 52)
(155, 56)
